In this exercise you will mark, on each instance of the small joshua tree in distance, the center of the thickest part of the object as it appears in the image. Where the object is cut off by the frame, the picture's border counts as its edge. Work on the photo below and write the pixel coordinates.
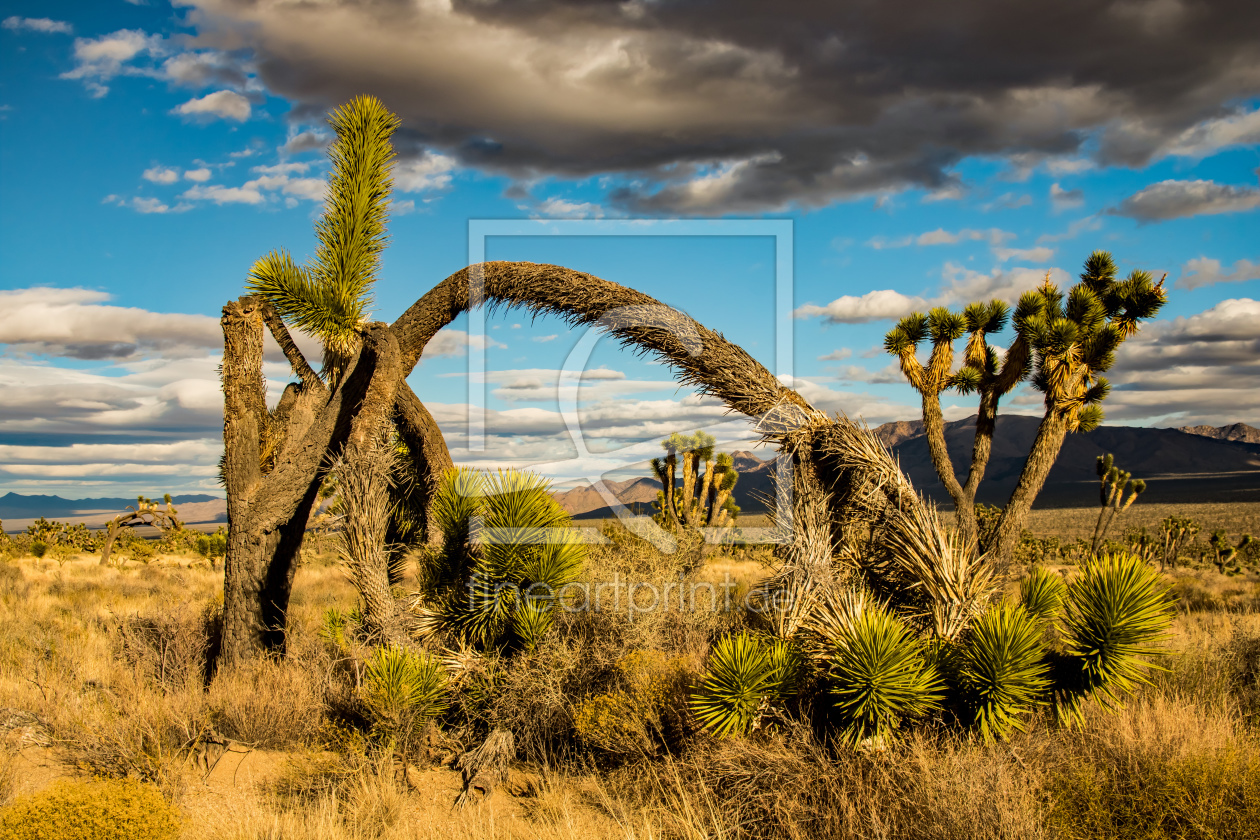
(1117, 491)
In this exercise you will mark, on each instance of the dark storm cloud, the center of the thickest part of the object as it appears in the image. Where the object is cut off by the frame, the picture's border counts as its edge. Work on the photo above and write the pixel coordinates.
(746, 105)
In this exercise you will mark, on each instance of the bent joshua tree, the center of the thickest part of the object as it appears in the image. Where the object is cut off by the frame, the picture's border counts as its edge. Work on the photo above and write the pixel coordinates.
(844, 483)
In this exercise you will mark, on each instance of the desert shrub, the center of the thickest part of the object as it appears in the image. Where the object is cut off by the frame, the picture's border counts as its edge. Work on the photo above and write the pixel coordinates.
(38, 549)
(1115, 619)
(641, 713)
(112, 809)
(403, 690)
(1001, 673)
(506, 590)
(211, 546)
(1242, 668)
(170, 649)
(267, 703)
(309, 774)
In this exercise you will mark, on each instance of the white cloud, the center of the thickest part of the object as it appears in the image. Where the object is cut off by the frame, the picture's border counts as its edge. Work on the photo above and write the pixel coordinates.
(205, 68)
(888, 375)
(402, 208)
(1036, 254)
(312, 189)
(100, 59)
(226, 104)
(543, 339)
(961, 285)
(451, 342)
(559, 208)
(1075, 229)
(45, 25)
(1241, 128)
(836, 355)
(873, 306)
(161, 175)
(940, 236)
(224, 195)
(78, 323)
(200, 175)
(430, 172)
(1204, 368)
(1203, 271)
(146, 204)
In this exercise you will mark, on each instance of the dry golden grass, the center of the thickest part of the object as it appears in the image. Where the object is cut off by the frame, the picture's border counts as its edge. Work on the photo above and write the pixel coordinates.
(113, 663)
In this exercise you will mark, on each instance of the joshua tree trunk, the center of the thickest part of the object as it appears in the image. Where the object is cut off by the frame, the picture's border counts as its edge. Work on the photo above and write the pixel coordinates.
(981, 449)
(273, 470)
(671, 464)
(934, 430)
(1045, 450)
(689, 488)
(424, 439)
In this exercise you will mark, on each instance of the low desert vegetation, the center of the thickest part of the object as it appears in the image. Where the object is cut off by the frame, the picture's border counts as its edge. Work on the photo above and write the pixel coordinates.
(110, 673)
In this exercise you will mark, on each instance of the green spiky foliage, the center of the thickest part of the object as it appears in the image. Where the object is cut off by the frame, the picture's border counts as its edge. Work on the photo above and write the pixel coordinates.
(1001, 673)
(330, 297)
(746, 677)
(1042, 593)
(1116, 615)
(508, 549)
(403, 689)
(878, 673)
(1075, 339)
(705, 499)
(1117, 492)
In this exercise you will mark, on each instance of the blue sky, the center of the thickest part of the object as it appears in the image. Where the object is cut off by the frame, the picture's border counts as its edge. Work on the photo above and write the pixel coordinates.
(150, 153)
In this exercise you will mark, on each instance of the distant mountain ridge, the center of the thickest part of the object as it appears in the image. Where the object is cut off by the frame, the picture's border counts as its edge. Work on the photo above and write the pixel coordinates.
(17, 506)
(1235, 431)
(1219, 464)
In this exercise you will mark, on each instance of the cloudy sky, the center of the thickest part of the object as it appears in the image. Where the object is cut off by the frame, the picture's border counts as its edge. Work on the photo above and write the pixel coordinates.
(924, 153)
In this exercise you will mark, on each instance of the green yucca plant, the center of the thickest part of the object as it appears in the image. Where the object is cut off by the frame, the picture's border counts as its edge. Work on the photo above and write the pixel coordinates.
(879, 674)
(745, 675)
(1042, 594)
(1116, 614)
(508, 549)
(1001, 672)
(403, 690)
(531, 621)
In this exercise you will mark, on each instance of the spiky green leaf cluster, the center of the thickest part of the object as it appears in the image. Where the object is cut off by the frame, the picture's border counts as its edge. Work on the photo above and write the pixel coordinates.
(508, 550)
(1076, 341)
(1000, 670)
(1042, 594)
(404, 687)
(1116, 614)
(878, 674)
(746, 675)
(331, 297)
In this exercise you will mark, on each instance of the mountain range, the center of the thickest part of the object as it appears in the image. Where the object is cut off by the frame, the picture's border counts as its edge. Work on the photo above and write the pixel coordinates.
(1203, 463)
